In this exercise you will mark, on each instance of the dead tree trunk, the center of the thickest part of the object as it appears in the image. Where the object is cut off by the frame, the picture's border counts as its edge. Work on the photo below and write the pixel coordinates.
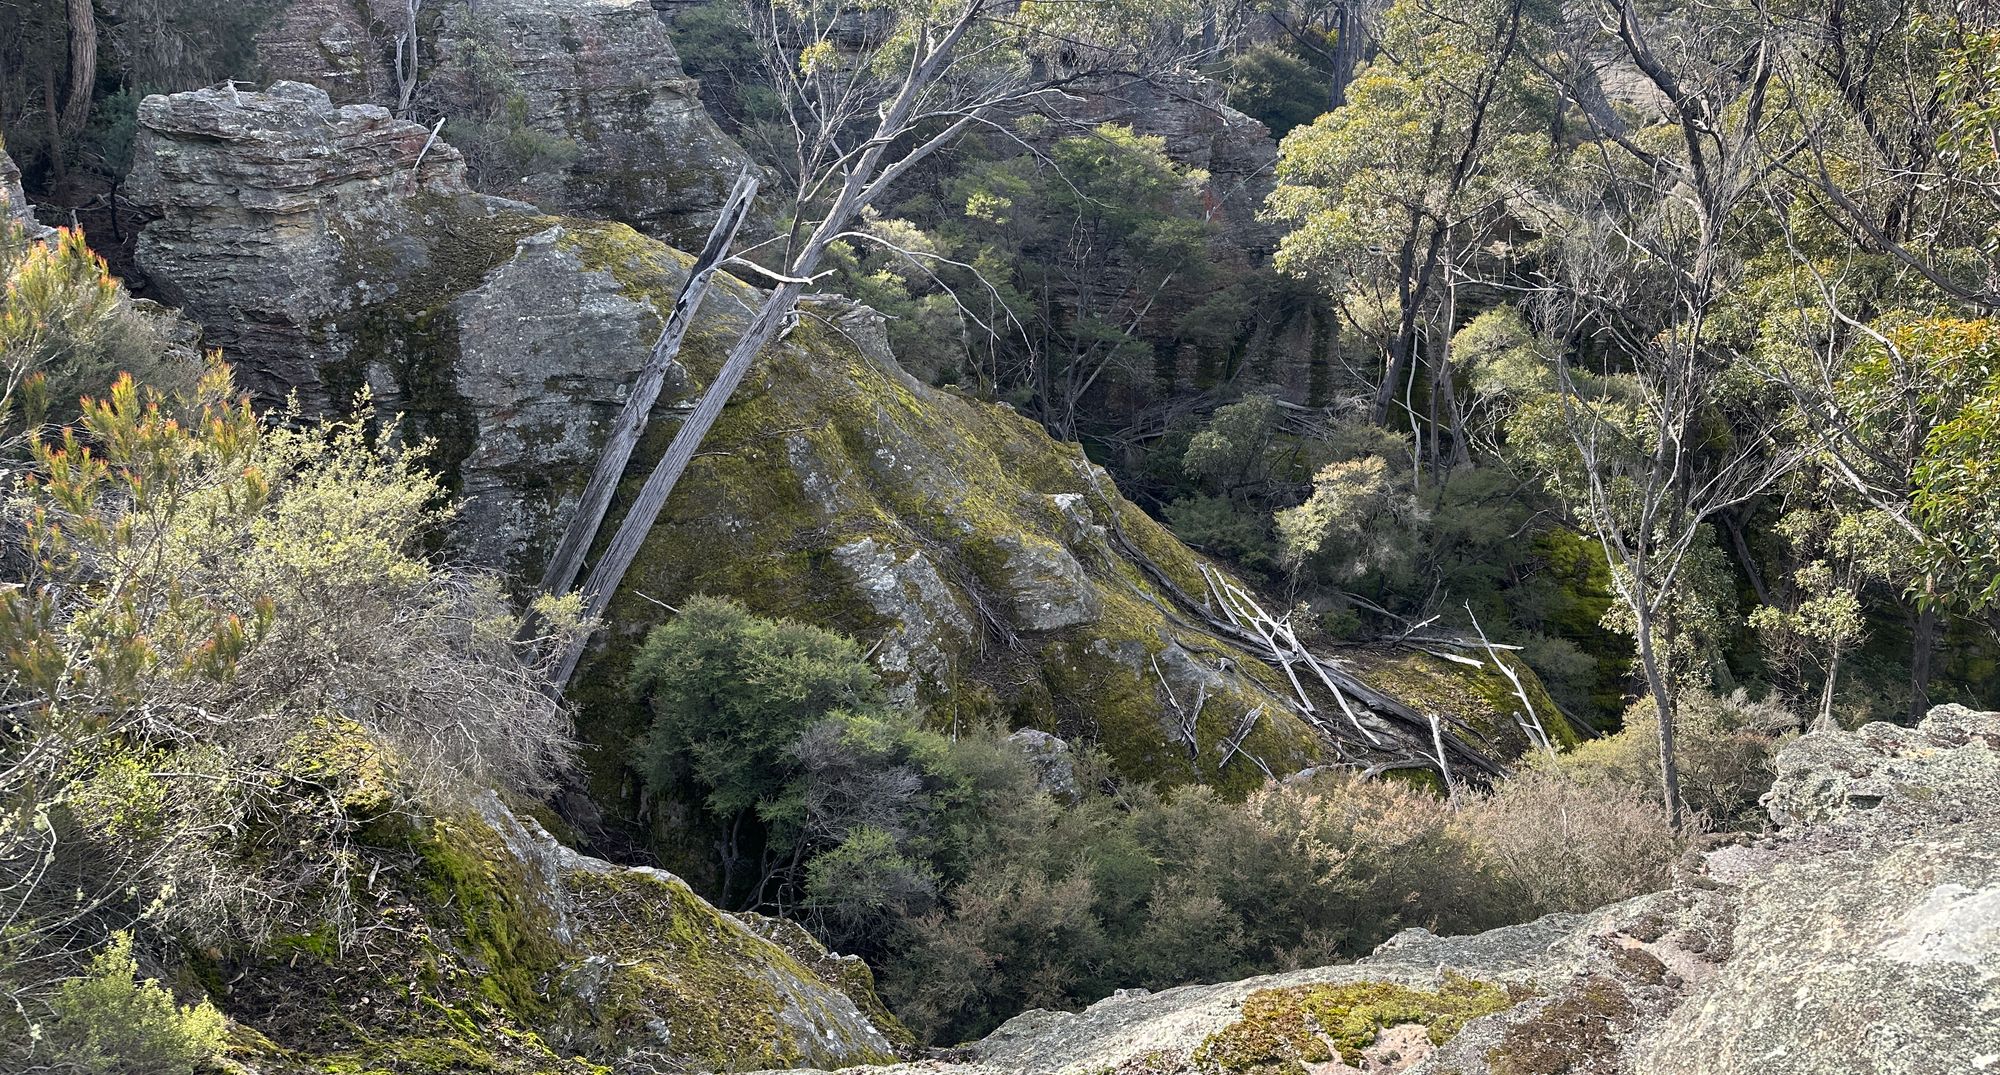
(567, 561)
(610, 569)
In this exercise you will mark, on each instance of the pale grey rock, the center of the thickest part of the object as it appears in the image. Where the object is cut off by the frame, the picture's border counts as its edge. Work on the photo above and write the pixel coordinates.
(597, 78)
(14, 205)
(1045, 587)
(1883, 777)
(1055, 769)
(260, 201)
(1872, 942)
(928, 620)
(546, 351)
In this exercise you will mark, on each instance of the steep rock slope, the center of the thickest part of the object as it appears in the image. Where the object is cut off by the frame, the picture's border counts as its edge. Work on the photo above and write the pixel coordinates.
(490, 946)
(626, 136)
(995, 572)
(1863, 937)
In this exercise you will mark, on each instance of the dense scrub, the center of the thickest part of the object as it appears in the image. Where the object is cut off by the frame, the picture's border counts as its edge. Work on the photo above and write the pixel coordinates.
(983, 874)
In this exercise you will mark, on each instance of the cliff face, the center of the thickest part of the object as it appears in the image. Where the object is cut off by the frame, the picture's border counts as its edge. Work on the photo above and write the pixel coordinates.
(1861, 937)
(618, 129)
(981, 558)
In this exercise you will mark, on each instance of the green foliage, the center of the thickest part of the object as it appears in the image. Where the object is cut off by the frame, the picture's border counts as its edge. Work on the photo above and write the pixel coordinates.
(731, 693)
(1102, 255)
(1369, 182)
(1359, 519)
(108, 1022)
(1158, 891)
(1957, 476)
(1217, 526)
(227, 652)
(1237, 447)
(827, 797)
(1726, 749)
(1279, 85)
(66, 330)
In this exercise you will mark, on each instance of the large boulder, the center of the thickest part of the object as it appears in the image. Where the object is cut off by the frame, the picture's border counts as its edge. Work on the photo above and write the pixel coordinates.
(593, 87)
(489, 945)
(1862, 937)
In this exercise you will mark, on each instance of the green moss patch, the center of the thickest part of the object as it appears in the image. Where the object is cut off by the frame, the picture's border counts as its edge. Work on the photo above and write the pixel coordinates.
(1283, 1030)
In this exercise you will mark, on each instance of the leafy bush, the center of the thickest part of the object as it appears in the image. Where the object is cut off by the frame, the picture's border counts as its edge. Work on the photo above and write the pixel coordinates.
(1724, 744)
(108, 1022)
(66, 330)
(825, 796)
(226, 650)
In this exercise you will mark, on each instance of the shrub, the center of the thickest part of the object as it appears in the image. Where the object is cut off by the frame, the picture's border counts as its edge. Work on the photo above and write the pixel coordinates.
(1551, 842)
(67, 329)
(225, 651)
(1136, 888)
(108, 1022)
(1725, 746)
(826, 796)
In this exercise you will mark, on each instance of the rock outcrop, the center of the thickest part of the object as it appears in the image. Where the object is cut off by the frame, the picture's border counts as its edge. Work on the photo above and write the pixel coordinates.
(994, 573)
(14, 205)
(1862, 937)
(592, 87)
(497, 948)
(978, 556)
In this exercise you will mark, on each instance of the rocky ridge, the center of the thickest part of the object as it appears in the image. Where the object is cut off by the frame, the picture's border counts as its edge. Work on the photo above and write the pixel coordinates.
(996, 573)
(1862, 936)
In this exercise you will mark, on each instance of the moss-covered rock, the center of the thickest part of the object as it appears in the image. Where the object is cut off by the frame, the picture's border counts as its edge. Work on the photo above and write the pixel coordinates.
(1284, 1030)
(994, 573)
(494, 948)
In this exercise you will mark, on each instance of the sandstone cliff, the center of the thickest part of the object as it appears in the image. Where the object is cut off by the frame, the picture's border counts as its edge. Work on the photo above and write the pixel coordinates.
(617, 130)
(995, 573)
(1862, 937)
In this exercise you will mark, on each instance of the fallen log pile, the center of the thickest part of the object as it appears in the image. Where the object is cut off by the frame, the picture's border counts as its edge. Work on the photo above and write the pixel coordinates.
(1367, 728)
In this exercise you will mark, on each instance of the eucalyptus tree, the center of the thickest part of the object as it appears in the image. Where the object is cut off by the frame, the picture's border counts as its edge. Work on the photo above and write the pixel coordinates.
(1643, 231)
(1389, 191)
(1883, 188)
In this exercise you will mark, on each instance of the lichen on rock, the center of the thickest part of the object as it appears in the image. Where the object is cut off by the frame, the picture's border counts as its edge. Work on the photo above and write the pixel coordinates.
(506, 951)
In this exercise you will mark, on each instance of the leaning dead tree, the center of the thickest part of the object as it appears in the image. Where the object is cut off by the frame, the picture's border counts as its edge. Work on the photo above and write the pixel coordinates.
(567, 561)
(1368, 728)
(861, 123)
